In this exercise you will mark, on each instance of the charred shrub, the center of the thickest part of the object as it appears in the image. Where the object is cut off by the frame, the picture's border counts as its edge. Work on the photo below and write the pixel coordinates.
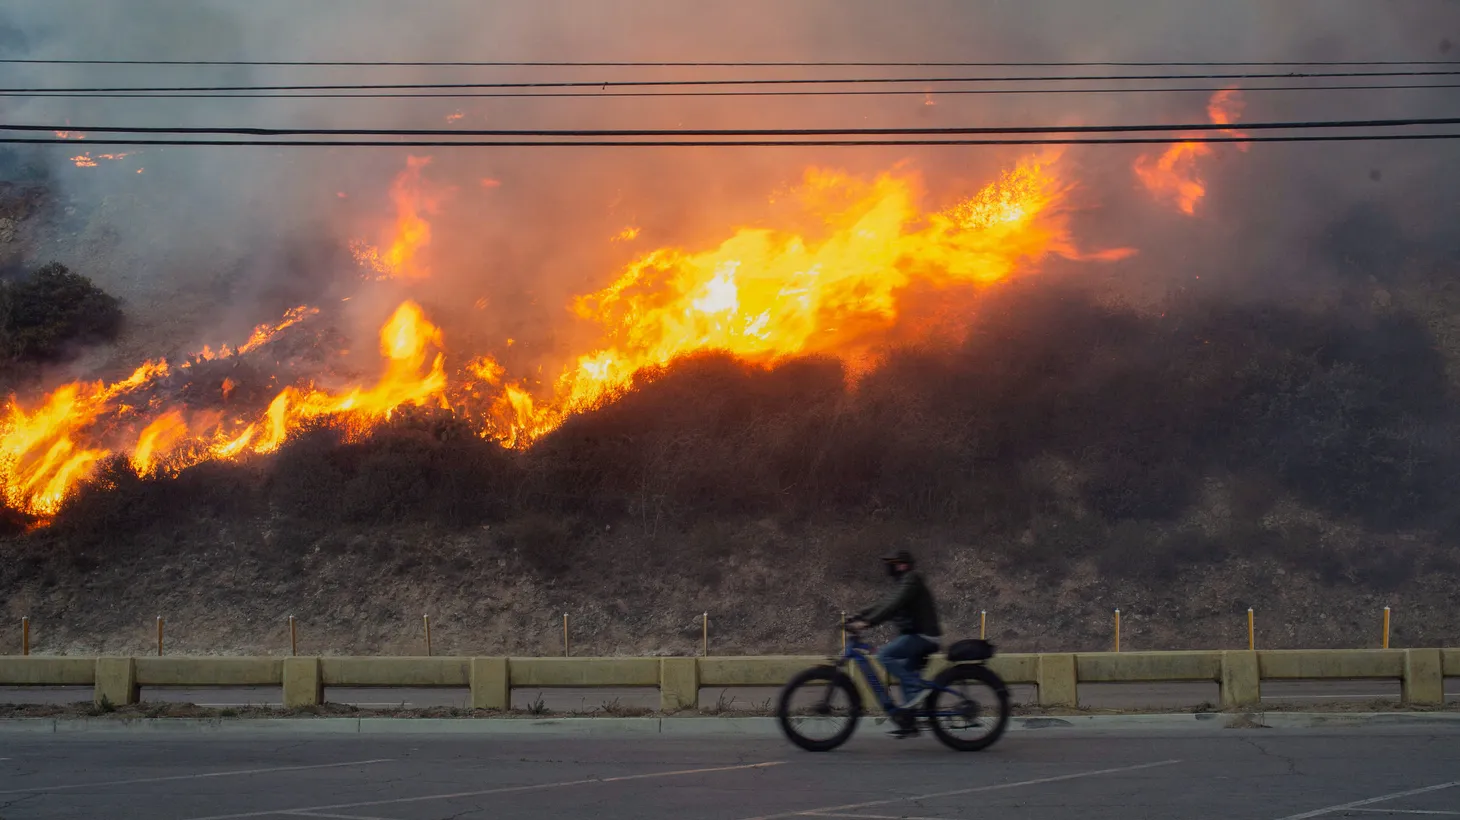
(417, 467)
(45, 315)
(118, 511)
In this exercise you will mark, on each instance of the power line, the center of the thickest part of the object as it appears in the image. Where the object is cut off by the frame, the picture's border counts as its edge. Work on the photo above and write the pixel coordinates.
(762, 81)
(741, 132)
(724, 64)
(727, 143)
(649, 94)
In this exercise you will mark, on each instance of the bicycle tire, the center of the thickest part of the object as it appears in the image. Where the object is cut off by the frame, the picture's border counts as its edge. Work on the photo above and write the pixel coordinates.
(833, 677)
(963, 672)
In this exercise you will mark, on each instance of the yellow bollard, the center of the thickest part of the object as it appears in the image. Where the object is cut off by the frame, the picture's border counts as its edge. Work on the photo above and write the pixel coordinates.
(844, 630)
(565, 634)
(1117, 630)
(25, 634)
(983, 625)
(159, 636)
(1251, 632)
(427, 620)
(1386, 627)
(705, 640)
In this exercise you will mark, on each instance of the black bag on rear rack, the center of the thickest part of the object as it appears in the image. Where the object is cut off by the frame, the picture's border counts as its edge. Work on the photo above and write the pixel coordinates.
(972, 649)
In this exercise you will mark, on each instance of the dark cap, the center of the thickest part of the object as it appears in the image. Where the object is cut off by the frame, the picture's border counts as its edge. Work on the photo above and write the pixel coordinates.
(899, 557)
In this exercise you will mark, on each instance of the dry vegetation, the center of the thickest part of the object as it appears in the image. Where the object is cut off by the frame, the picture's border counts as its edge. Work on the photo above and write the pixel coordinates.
(1070, 457)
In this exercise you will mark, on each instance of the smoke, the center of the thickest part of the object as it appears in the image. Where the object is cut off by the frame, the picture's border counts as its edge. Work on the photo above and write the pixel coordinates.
(212, 240)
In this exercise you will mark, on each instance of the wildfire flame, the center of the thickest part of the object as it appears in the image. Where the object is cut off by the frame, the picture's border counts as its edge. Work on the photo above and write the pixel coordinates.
(761, 294)
(764, 294)
(1174, 174)
(412, 198)
(43, 461)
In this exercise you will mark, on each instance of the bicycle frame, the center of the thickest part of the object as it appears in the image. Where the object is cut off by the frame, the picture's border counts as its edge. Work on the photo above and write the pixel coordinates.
(860, 652)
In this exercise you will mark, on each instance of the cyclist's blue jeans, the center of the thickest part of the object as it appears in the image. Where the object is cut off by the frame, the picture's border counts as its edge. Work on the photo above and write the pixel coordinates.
(895, 657)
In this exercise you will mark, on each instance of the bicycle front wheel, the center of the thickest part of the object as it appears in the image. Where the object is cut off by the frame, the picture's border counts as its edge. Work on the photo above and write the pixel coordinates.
(819, 709)
(974, 713)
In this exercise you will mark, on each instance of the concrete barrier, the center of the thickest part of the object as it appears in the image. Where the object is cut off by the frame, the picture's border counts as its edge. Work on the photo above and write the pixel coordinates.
(1314, 664)
(1138, 667)
(412, 672)
(34, 671)
(1421, 673)
(177, 671)
(547, 673)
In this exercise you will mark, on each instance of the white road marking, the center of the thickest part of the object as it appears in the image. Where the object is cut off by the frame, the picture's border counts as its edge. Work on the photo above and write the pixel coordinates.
(1354, 696)
(1403, 811)
(879, 816)
(332, 816)
(1372, 800)
(481, 792)
(236, 773)
(382, 705)
(956, 792)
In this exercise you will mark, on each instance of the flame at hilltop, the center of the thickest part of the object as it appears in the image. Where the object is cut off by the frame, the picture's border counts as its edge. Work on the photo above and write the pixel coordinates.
(1174, 175)
(761, 294)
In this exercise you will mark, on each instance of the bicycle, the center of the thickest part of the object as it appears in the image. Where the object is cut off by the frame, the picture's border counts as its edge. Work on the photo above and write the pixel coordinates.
(946, 709)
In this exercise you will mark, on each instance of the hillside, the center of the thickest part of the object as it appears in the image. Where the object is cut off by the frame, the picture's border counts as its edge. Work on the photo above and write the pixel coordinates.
(1073, 455)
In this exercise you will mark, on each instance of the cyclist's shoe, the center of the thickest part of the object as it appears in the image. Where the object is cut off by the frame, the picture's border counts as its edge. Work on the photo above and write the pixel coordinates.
(907, 725)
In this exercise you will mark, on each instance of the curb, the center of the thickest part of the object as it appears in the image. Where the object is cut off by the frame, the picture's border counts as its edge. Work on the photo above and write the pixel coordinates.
(694, 726)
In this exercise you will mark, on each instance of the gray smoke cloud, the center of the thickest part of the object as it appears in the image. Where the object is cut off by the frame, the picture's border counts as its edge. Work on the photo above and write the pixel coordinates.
(208, 240)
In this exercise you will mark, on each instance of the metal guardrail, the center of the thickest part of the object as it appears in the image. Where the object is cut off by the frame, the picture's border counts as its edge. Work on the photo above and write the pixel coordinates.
(1421, 673)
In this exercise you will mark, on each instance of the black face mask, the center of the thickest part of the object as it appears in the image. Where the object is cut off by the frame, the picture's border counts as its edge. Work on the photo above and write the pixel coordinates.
(893, 571)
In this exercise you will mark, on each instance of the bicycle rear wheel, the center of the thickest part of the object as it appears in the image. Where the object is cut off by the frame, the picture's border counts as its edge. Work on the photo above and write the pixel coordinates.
(974, 717)
(819, 709)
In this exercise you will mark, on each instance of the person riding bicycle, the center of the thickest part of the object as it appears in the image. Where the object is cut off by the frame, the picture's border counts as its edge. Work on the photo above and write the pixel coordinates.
(912, 609)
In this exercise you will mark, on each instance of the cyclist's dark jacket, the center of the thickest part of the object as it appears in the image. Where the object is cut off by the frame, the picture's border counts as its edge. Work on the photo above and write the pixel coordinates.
(911, 608)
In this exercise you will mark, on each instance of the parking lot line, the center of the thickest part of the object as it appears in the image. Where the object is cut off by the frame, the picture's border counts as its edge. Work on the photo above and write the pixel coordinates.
(591, 781)
(237, 773)
(1372, 800)
(976, 789)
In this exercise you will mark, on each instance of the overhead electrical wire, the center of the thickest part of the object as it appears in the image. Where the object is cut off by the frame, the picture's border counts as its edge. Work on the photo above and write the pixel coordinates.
(897, 92)
(719, 64)
(741, 132)
(605, 84)
(403, 143)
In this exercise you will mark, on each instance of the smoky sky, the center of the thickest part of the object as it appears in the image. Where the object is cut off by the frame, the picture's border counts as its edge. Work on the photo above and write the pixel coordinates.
(522, 230)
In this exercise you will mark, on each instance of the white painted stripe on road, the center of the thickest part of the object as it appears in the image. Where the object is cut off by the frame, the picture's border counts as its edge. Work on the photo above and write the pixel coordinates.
(481, 792)
(333, 816)
(1372, 800)
(382, 705)
(1354, 696)
(976, 789)
(1407, 811)
(237, 773)
(878, 816)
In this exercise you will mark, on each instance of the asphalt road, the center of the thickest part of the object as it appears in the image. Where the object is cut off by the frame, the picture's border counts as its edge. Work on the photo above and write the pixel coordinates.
(1051, 774)
(1097, 695)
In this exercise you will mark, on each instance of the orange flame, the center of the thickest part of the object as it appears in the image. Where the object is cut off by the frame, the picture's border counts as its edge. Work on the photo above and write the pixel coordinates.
(1174, 174)
(412, 198)
(761, 294)
(157, 439)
